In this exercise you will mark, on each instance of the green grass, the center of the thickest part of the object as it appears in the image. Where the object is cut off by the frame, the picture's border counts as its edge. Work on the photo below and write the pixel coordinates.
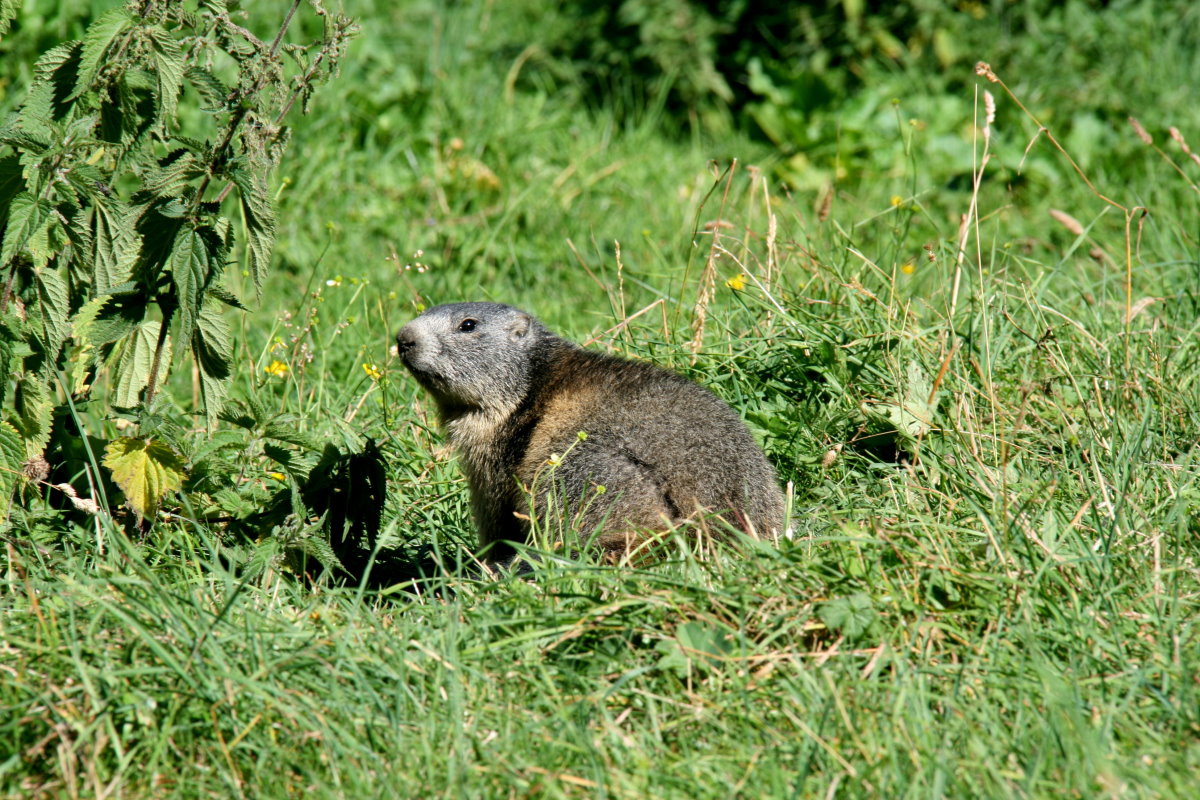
(1000, 600)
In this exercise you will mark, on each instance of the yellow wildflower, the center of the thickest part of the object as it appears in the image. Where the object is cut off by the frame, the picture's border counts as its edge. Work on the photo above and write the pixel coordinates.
(897, 201)
(737, 282)
(276, 369)
(908, 268)
(372, 371)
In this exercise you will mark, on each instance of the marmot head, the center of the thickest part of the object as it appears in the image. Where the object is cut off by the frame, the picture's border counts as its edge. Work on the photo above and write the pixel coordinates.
(471, 355)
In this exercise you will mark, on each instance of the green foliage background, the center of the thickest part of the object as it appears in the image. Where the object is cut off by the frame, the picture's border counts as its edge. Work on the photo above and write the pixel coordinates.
(992, 585)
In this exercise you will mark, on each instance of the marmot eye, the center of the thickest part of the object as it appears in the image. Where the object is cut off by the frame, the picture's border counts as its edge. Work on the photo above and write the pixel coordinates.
(467, 325)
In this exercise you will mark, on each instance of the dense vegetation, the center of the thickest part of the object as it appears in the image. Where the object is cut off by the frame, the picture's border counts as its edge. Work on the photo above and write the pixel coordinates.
(959, 305)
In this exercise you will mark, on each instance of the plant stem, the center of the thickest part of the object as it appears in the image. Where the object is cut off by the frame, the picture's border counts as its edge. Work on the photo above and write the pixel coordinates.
(164, 327)
(243, 108)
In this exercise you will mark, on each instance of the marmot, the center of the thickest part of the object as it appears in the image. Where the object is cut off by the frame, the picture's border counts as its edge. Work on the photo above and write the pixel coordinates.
(514, 399)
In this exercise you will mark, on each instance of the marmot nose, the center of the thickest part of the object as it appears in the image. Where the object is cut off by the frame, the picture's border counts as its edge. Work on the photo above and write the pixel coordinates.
(404, 342)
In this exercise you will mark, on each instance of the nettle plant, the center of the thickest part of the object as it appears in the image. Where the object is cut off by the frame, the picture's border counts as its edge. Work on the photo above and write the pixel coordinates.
(116, 234)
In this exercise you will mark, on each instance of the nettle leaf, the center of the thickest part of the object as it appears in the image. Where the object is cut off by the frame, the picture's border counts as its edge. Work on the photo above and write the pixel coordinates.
(209, 87)
(212, 347)
(12, 459)
(169, 61)
(190, 272)
(55, 74)
(285, 428)
(117, 245)
(259, 216)
(34, 405)
(127, 110)
(8, 12)
(97, 40)
(26, 215)
(12, 182)
(54, 309)
(146, 470)
(83, 325)
(176, 172)
(128, 363)
(219, 292)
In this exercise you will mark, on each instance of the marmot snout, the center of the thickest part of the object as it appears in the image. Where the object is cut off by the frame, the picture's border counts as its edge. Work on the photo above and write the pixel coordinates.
(659, 449)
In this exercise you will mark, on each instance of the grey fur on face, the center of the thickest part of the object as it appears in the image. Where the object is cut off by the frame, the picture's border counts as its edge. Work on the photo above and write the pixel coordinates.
(659, 450)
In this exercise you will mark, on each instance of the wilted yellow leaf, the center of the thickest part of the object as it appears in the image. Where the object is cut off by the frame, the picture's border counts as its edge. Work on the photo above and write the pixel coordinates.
(145, 470)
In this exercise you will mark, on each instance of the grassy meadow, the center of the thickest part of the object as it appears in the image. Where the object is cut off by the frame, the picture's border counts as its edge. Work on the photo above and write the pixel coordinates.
(963, 319)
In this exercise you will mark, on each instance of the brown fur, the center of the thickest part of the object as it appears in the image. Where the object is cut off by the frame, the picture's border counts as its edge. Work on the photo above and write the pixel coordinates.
(513, 398)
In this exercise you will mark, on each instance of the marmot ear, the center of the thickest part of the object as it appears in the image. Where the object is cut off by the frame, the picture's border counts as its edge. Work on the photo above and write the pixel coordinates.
(519, 327)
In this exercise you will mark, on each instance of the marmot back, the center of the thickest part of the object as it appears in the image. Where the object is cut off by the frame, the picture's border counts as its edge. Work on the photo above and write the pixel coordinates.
(513, 396)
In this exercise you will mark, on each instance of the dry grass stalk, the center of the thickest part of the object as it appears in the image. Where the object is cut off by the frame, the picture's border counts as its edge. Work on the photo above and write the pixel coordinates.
(1067, 221)
(1130, 212)
(1140, 131)
(708, 278)
(1178, 137)
(1183, 145)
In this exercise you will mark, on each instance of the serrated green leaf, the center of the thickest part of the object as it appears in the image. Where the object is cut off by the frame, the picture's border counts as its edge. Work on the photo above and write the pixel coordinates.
(85, 319)
(169, 177)
(209, 87)
(212, 347)
(12, 182)
(134, 109)
(117, 245)
(259, 216)
(169, 63)
(128, 364)
(97, 40)
(8, 12)
(12, 459)
(190, 273)
(53, 310)
(286, 430)
(219, 292)
(34, 407)
(26, 215)
(82, 327)
(24, 139)
(145, 469)
(56, 73)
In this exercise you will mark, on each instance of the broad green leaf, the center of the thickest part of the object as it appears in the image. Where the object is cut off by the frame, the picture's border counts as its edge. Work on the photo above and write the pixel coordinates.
(212, 347)
(190, 272)
(286, 429)
(8, 338)
(11, 182)
(97, 40)
(56, 74)
(209, 87)
(34, 405)
(911, 416)
(145, 469)
(169, 61)
(129, 363)
(8, 12)
(25, 217)
(170, 177)
(259, 216)
(850, 616)
(12, 459)
(82, 327)
(85, 318)
(219, 292)
(117, 245)
(53, 308)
